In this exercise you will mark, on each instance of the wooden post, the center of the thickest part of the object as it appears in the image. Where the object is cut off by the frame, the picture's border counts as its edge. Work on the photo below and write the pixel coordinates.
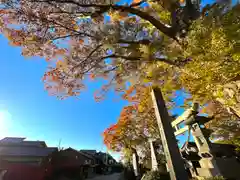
(174, 160)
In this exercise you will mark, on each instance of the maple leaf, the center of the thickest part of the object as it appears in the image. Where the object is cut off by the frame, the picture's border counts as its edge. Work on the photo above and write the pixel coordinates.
(92, 76)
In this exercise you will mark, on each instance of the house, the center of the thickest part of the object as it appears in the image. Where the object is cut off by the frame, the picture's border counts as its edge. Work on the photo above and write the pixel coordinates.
(21, 159)
(105, 158)
(17, 150)
(104, 161)
(99, 164)
(70, 163)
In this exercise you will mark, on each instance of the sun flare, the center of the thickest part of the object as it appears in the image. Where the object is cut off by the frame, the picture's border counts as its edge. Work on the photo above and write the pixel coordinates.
(2, 117)
(5, 117)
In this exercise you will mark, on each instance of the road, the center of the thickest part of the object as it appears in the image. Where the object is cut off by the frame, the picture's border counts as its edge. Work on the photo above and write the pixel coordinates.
(115, 176)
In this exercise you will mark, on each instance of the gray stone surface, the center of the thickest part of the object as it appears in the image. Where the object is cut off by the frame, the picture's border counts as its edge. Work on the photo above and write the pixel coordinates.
(174, 160)
(115, 176)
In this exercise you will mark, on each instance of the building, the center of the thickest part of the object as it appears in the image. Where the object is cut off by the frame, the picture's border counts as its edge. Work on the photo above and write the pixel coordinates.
(70, 163)
(18, 151)
(105, 158)
(22, 160)
(105, 163)
(21, 172)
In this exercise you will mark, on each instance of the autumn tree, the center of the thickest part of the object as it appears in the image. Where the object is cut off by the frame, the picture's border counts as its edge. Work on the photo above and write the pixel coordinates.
(215, 70)
(74, 38)
(136, 124)
(225, 126)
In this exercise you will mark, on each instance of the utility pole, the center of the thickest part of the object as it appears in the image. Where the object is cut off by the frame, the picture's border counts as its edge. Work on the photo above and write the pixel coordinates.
(175, 162)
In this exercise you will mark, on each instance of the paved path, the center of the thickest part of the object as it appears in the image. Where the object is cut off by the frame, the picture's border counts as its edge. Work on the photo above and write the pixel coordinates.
(115, 176)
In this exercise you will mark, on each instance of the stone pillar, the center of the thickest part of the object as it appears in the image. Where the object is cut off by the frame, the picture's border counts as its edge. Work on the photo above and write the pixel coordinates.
(135, 164)
(153, 156)
(174, 160)
(2, 173)
(208, 164)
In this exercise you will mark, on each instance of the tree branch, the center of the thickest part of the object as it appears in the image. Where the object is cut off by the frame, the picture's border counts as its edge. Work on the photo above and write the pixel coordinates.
(112, 69)
(144, 41)
(71, 35)
(68, 28)
(105, 8)
(130, 58)
(167, 61)
(60, 25)
(89, 55)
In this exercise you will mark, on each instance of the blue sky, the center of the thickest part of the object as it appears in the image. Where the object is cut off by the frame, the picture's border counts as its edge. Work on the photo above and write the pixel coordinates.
(30, 112)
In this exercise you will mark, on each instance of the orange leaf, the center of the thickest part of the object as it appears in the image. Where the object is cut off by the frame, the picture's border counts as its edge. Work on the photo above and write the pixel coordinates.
(54, 78)
(81, 41)
(135, 1)
(16, 43)
(61, 51)
(92, 76)
(2, 11)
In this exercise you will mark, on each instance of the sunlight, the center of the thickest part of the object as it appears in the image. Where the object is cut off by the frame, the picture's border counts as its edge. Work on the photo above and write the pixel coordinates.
(5, 116)
(2, 117)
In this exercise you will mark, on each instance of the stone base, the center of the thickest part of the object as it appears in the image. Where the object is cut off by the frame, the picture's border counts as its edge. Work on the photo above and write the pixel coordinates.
(229, 167)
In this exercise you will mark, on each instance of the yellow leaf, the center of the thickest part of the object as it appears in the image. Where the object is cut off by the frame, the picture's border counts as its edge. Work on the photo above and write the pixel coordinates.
(146, 80)
(61, 65)
(114, 16)
(140, 108)
(145, 51)
(49, 42)
(236, 56)
(76, 27)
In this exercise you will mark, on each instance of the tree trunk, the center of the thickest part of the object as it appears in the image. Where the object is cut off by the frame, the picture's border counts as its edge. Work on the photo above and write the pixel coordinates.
(236, 111)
